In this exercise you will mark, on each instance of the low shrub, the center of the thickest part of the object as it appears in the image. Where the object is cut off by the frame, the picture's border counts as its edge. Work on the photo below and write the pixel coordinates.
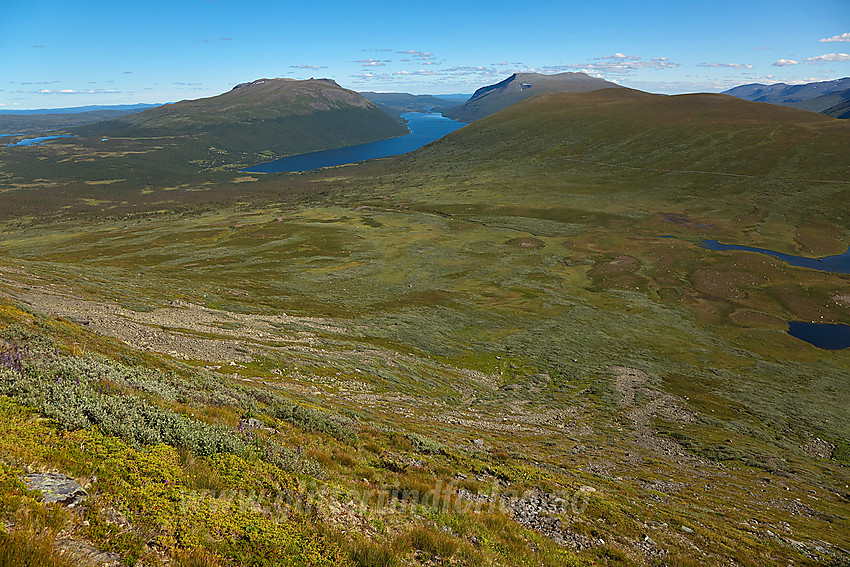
(315, 420)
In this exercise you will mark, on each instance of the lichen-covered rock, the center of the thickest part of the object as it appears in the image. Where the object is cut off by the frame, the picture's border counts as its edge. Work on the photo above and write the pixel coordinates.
(56, 488)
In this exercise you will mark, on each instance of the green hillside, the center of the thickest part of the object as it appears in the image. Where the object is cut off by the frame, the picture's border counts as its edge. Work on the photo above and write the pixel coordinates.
(625, 127)
(504, 349)
(278, 116)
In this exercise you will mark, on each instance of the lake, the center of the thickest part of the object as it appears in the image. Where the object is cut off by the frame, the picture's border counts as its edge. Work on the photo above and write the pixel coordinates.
(36, 141)
(839, 264)
(425, 127)
(829, 336)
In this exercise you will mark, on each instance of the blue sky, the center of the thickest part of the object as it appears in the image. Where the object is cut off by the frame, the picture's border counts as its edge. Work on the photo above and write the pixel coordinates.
(57, 53)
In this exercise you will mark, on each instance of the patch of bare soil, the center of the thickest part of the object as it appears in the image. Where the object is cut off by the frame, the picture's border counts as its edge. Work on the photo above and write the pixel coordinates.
(184, 330)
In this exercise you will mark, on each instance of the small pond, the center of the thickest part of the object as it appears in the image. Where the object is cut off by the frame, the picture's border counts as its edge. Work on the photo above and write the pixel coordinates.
(829, 336)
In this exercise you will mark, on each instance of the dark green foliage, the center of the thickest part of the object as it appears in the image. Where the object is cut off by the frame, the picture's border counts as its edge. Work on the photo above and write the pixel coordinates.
(75, 403)
(311, 419)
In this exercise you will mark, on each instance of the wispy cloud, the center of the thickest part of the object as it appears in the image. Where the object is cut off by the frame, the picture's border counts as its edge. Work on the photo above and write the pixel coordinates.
(420, 72)
(214, 40)
(726, 65)
(393, 77)
(70, 91)
(416, 54)
(621, 56)
(371, 62)
(785, 62)
(38, 46)
(308, 67)
(40, 83)
(828, 57)
(620, 64)
(839, 37)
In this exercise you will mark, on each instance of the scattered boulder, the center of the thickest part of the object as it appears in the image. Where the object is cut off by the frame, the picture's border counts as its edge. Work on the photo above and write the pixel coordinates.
(56, 487)
(253, 423)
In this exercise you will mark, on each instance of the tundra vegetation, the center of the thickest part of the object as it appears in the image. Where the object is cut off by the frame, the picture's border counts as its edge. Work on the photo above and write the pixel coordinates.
(486, 352)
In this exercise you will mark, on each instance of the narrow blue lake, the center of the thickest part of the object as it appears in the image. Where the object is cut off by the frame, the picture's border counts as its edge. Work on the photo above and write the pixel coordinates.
(839, 264)
(36, 141)
(829, 336)
(425, 127)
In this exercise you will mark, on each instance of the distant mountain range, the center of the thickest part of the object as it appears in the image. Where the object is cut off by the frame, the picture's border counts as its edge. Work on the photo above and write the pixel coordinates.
(82, 109)
(23, 123)
(827, 97)
(399, 103)
(520, 86)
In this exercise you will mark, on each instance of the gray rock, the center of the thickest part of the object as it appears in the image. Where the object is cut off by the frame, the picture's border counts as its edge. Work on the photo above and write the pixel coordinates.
(56, 487)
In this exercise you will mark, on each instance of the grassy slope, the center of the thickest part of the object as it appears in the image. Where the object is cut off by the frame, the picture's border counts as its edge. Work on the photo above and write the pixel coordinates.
(530, 243)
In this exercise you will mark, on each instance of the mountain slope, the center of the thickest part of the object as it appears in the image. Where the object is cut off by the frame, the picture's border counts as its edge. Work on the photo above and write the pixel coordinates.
(520, 86)
(810, 96)
(823, 102)
(840, 110)
(695, 132)
(277, 116)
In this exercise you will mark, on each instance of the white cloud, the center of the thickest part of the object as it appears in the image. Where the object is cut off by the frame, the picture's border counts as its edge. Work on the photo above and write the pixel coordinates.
(622, 56)
(419, 72)
(370, 62)
(726, 65)
(417, 54)
(785, 63)
(829, 57)
(619, 65)
(70, 91)
(840, 37)
(308, 67)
